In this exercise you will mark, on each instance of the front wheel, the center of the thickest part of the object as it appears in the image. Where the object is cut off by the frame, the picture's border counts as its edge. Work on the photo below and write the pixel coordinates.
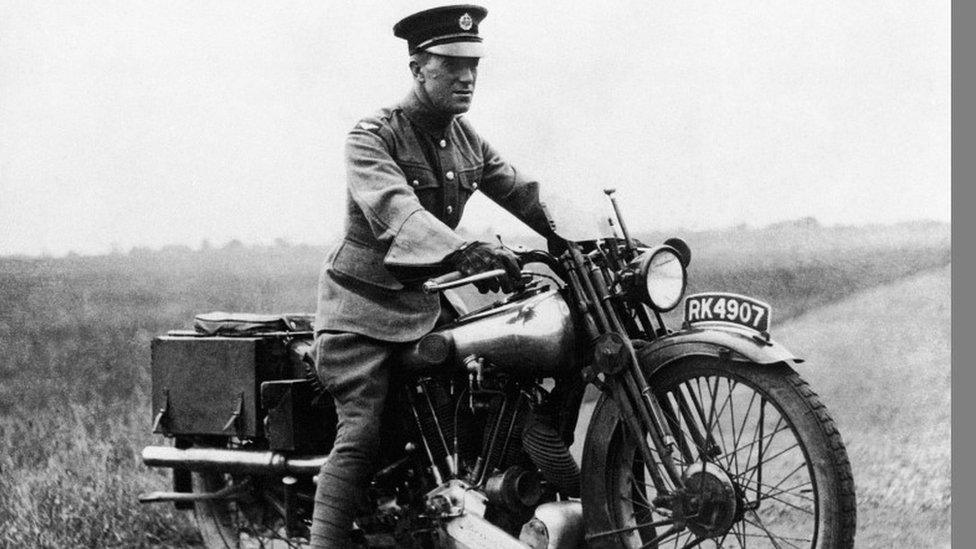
(761, 463)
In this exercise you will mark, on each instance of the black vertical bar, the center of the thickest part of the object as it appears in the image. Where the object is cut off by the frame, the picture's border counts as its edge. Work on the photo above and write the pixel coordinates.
(620, 220)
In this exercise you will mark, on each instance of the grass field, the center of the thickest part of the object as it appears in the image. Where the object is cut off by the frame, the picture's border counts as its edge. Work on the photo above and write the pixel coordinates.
(74, 354)
(881, 360)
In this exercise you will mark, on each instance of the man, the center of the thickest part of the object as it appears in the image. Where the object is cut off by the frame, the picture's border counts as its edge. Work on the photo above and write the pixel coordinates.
(410, 170)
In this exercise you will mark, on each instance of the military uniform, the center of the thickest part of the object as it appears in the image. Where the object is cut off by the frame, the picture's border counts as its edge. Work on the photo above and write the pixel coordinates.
(408, 183)
(410, 171)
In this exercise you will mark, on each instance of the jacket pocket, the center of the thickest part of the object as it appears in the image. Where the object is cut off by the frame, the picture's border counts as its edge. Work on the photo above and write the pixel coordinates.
(468, 182)
(470, 179)
(363, 264)
(426, 186)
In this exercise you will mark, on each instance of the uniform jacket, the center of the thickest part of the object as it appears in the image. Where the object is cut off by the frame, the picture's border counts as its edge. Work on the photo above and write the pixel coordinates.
(409, 174)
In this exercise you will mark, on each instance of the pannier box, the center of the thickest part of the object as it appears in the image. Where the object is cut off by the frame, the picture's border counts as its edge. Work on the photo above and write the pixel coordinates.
(298, 419)
(211, 385)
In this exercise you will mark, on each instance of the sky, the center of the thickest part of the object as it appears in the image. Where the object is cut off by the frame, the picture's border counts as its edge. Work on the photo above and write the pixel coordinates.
(148, 123)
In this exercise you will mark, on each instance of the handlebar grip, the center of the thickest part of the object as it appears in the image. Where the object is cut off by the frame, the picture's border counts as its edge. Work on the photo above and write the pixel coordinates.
(455, 278)
(431, 285)
(445, 278)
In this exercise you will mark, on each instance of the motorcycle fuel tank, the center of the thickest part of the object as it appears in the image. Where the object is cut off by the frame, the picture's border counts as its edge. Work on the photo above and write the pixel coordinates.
(534, 335)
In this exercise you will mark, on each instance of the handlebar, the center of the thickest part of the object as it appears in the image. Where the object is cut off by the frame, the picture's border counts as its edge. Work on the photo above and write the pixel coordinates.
(455, 278)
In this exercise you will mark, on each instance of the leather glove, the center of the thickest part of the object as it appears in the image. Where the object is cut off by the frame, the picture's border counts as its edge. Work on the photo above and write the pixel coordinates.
(479, 257)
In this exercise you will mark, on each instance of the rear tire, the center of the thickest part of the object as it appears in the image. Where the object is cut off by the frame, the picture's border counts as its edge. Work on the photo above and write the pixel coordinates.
(237, 523)
(769, 465)
(214, 517)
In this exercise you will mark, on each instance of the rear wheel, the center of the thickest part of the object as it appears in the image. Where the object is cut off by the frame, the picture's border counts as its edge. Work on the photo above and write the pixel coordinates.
(250, 517)
(761, 462)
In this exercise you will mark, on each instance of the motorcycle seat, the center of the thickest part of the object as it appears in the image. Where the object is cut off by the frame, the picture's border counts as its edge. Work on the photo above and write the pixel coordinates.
(246, 324)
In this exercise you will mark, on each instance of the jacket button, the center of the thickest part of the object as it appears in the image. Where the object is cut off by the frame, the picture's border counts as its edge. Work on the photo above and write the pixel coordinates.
(474, 185)
(450, 210)
(450, 176)
(415, 182)
(442, 143)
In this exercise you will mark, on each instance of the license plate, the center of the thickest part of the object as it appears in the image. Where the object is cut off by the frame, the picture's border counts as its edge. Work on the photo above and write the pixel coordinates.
(725, 308)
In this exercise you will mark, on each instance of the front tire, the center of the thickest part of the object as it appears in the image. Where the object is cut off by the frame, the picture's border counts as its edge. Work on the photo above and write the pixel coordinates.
(762, 462)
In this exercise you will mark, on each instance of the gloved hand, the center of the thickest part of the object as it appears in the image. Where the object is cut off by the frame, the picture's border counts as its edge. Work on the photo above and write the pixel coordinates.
(479, 257)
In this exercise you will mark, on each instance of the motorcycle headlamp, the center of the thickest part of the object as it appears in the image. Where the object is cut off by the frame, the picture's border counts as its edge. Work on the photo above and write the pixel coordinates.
(661, 278)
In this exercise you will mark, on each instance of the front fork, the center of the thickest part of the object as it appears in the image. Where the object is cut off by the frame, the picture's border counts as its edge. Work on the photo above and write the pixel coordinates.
(616, 358)
(642, 415)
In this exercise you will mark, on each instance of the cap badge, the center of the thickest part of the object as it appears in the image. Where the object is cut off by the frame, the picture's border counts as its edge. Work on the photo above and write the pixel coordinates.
(465, 22)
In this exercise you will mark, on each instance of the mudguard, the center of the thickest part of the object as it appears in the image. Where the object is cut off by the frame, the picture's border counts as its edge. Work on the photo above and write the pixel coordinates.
(715, 342)
(726, 344)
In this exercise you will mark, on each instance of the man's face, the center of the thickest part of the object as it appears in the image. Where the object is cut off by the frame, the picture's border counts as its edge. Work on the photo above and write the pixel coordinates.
(449, 82)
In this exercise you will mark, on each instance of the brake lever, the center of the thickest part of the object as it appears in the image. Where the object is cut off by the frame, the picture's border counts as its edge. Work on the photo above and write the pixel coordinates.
(518, 249)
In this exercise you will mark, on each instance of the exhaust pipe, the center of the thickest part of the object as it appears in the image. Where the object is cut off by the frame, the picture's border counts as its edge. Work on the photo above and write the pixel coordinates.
(230, 461)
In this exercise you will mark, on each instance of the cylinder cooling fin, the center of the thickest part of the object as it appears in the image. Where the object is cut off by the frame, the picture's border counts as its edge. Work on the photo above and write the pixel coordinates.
(549, 453)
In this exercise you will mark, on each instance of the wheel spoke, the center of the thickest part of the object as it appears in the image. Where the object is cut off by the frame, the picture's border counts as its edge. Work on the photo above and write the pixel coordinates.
(695, 542)
(740, 535)
(775, 490)
(695, 394)
(793, 472)
(635, 502)
(734, 459)
(758, 465)
(640, 491)
(757, 433)
(712, 423)
(789, 491)
(773, 539)
(764, 536)
(766, 439)
(656, 539)
(718, 415)
(652, 524)
(788, 504)
(666, 484)
(760, 440)
(742, 426)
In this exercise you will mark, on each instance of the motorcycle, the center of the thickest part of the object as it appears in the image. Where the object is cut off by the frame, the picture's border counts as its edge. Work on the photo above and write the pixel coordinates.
(702, 435)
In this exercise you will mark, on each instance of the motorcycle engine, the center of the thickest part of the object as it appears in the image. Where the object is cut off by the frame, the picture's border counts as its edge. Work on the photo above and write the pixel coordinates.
(495, 438)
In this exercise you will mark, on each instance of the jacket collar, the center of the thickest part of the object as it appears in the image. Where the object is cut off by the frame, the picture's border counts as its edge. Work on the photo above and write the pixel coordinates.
(424, 117)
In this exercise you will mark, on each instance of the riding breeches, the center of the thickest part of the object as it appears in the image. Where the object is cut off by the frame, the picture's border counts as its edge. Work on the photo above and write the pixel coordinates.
(354, 369)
